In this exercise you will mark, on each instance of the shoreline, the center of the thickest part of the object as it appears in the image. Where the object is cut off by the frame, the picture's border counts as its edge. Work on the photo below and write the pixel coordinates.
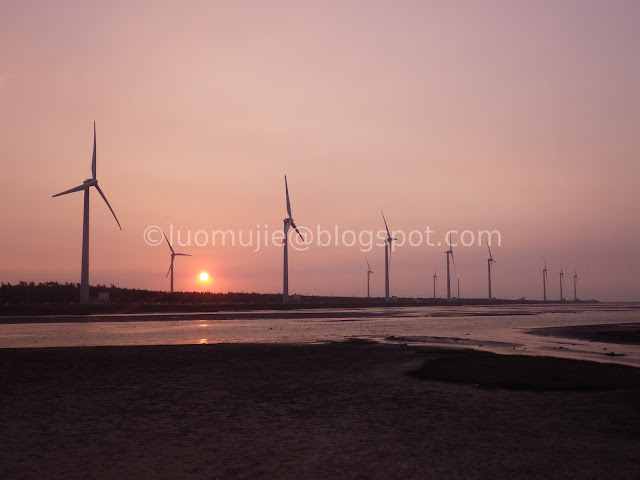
(167, 312)
(15, 310)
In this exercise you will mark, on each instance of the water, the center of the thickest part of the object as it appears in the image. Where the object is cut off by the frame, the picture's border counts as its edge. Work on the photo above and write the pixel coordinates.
(497, 328)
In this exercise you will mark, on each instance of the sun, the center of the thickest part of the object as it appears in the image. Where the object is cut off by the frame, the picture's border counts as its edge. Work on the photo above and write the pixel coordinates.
(204, 276)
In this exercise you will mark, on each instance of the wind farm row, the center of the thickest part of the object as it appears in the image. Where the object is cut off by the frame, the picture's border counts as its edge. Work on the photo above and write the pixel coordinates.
(288, 224)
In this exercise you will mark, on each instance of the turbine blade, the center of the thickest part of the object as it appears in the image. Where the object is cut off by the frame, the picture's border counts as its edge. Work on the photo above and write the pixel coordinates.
(368, 266)
(170, 247)
(385, 224)
(286, 188)
(169, 271)
(93, 161)
(183, 254)
(296, 229)
(454, 263)
(71, 190)
(107, 202)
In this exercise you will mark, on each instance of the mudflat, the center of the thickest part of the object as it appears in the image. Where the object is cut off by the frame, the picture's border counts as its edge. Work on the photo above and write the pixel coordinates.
(344, 410)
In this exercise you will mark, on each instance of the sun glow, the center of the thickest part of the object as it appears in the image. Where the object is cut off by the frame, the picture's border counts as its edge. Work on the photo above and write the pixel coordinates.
(204, 276)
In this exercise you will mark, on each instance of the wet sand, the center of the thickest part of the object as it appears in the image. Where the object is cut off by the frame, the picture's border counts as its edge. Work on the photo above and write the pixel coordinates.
(625, 333)
(306, 411)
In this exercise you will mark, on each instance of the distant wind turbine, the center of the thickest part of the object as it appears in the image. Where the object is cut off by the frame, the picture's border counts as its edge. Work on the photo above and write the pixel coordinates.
(369, 272)
(561, 282)
(450, 252)
(435, 282)
(86, 185)
(544, 280)
(575, 285)
(458, 288)
(387, 257)
(490, 260)
(288, 222)
(173, 255)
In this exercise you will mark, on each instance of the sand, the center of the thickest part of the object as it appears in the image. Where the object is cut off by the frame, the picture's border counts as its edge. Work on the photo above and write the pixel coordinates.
(299, 411)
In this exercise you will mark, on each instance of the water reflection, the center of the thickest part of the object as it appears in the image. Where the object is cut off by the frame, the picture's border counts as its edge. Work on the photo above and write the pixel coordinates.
(497, 328)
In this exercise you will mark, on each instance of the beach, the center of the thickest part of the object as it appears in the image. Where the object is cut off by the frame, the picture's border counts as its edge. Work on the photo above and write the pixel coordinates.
(330, 410)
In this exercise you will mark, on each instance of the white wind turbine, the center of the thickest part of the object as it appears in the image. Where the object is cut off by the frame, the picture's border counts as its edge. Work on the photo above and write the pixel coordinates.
(490, 260)
(369, 272)
(288, 222)
(575, 285)
(561, 283)
(173, 255)
(86, 185)
(387, 258)
(450, 252)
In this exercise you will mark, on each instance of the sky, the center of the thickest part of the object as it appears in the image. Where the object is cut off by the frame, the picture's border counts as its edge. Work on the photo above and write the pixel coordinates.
(513, 116)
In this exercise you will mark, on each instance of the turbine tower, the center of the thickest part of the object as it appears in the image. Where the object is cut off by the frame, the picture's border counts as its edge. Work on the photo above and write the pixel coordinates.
(435, 282)
(387, 258)
(450, 252)
(489, 261)
(561, 282)
(86, 185)
(544, 280)
(173, 255)
(288, 222)
(575, 285)
(458, 289)
(369, 272)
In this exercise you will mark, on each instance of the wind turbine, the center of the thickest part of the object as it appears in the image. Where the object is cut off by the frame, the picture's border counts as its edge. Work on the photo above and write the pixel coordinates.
(173, 255)
(561, 282)
(288, 222)
(489, 261)
(387, 258)
(86, 185)
(450, 252)
(458, 288)
(575, 287)
(435, 282)
(369, 272)
(544, 280)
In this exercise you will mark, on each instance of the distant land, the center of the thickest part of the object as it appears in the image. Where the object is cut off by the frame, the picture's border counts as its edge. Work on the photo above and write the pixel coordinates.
(53, 298)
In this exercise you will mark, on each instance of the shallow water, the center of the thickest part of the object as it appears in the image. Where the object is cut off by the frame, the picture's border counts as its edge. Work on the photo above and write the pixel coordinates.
(496, 328)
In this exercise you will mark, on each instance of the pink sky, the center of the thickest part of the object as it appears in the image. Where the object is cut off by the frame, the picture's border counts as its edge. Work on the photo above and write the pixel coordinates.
(521, 117)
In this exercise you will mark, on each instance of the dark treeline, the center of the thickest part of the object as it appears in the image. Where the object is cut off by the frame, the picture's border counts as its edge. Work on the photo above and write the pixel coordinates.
(30, 293)
(53, 298)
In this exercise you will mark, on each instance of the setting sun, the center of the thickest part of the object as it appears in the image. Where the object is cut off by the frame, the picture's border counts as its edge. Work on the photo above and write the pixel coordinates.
(204, 276)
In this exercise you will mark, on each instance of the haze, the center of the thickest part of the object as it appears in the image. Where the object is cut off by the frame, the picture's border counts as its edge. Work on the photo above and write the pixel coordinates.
(518, 116)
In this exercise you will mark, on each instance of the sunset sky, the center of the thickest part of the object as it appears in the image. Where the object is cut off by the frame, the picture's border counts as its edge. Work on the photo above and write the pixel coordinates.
(517, 116)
